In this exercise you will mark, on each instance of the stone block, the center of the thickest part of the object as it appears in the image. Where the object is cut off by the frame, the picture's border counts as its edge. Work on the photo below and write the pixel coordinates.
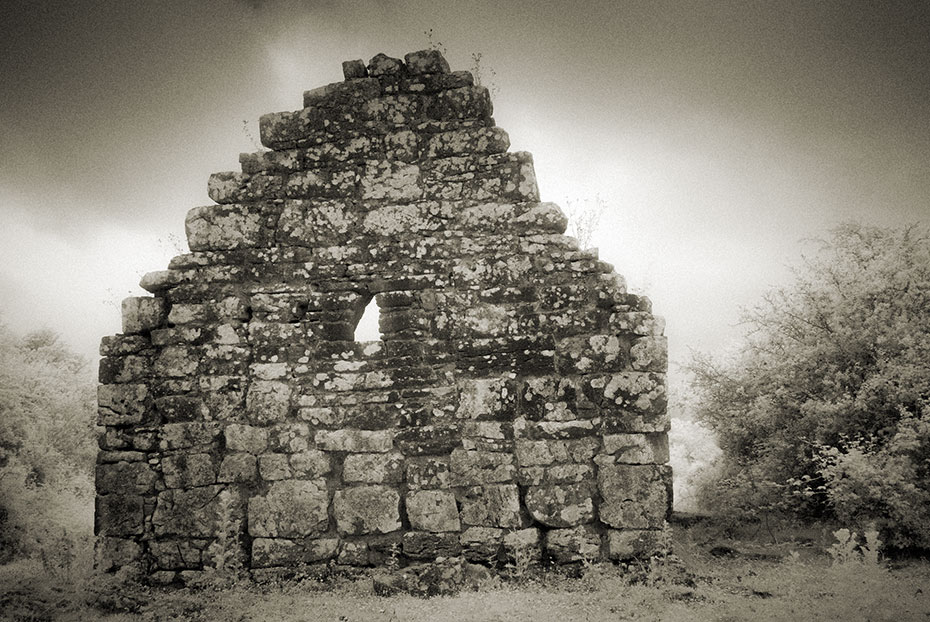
(574, 544)
(433, 510)
(119, 515)
(188, 470)
(377, 468)
(481, 544)
(177, 554)
(225, 227)
(634, 496)
(200, 512)
(273, 467)
(563, 505)
(246, 438)
(354, 69)
(309, 464)
(175, 408)
(426, 61)
(126, 477)
(290, 509)
(238, 468)
(187, 435)
(635, 449)
(356, 441)
(471, 468)
(142, 314)
(428, 472)
(122, 404)
(429, 545)
(492, 506)
(366, 510)
(523, 542)
(383, 65)
(272, 552)
(268, 401)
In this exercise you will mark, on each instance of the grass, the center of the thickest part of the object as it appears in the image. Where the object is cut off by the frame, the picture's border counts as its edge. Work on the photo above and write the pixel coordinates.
(780, 575)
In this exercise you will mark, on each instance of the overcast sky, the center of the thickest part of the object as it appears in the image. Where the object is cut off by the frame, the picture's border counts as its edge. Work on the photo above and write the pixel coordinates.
(717, 135)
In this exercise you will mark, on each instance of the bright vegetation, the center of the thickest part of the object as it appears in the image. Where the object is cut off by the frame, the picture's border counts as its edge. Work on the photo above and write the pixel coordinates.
(826, 411)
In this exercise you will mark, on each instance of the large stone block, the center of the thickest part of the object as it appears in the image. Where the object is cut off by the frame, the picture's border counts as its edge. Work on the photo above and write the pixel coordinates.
(634, 496)
(377, 468)
(433, 510)
(202, 512)
(123, 404)
(290, 509)
(143, 314)
(367, 510)
(356, 441)
(119, 515)
(563, 505)
(271, 552)
(492, 506)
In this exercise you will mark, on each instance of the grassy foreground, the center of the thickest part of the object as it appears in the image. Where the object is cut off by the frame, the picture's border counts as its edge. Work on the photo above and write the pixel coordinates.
(710, 578)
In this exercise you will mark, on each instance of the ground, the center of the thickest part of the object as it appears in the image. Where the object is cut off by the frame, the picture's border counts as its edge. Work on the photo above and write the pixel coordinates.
(758, 574)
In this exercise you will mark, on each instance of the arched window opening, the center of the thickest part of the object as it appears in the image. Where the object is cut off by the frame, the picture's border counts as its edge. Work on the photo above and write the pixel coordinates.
(367, 329)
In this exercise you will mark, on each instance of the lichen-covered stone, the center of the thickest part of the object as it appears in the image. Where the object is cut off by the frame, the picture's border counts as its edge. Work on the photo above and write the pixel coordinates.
(634, 496)
(290, 509)
(143, 314)
(573, 545)
(492, 506)
(433, 510)
(366, 509)
(564, 505)
(246, 438)
(377, 468)
(196, 512)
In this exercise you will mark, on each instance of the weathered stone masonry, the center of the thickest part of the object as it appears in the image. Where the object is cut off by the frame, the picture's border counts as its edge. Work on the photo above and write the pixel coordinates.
(516, 398)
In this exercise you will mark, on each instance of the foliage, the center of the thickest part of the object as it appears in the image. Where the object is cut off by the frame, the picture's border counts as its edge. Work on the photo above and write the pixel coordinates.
(824, 411)
(47, 450)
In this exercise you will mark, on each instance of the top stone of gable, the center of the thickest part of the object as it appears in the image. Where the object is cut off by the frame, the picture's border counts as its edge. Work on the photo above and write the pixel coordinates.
(387, 96)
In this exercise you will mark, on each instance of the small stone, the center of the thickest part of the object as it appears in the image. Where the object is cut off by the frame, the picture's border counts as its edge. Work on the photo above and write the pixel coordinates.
(573, 545)
(354, 69)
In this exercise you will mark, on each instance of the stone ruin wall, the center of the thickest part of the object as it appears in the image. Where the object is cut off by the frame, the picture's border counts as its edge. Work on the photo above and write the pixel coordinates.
(516, 399)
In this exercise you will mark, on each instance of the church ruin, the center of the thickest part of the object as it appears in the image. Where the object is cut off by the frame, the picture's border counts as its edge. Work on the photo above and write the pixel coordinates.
(515, 401)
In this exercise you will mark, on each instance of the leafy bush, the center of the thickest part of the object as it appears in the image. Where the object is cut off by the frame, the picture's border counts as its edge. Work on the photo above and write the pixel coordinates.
(47, 451)
(824, 410)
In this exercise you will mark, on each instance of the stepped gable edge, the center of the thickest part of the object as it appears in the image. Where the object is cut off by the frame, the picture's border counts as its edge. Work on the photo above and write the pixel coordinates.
(515, 401)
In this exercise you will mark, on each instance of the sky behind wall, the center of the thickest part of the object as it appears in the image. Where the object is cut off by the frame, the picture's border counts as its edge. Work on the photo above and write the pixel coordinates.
(717, 135)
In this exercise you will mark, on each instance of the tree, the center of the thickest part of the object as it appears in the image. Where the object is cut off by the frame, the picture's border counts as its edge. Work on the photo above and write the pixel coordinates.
(826, 409)
(47, 445)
